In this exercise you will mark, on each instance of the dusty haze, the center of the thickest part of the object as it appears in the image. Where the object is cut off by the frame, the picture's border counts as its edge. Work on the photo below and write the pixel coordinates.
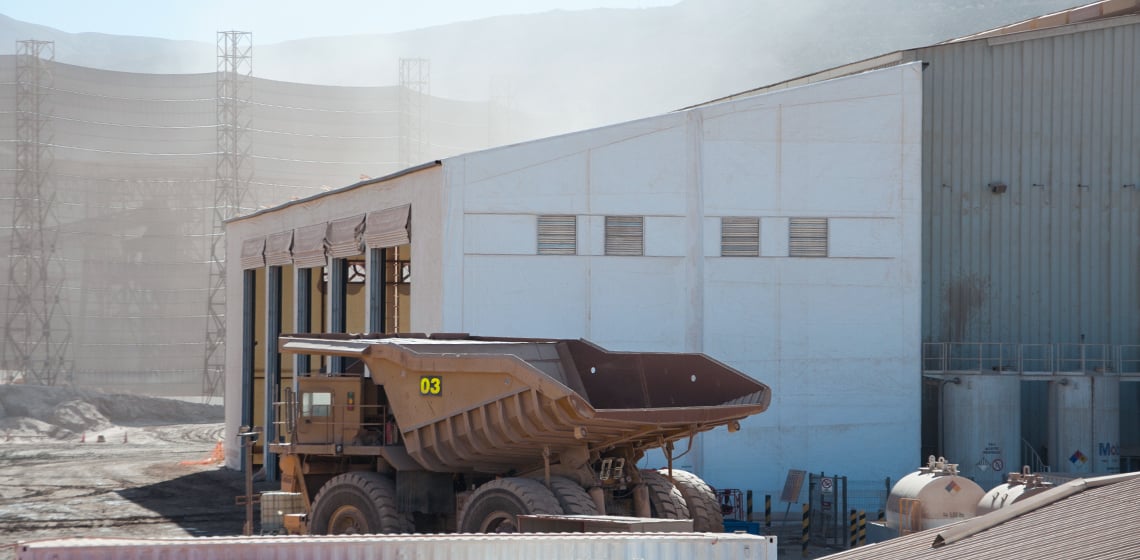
(579, 69)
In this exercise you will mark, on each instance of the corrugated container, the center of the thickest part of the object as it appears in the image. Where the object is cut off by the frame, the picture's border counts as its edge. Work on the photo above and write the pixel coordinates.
(601, 524)
(602, 546)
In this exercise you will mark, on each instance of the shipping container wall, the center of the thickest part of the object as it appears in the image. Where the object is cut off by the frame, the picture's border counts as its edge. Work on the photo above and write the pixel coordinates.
(660, 546)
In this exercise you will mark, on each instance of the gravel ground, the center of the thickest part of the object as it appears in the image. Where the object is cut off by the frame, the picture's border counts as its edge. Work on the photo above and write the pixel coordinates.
(135, 484)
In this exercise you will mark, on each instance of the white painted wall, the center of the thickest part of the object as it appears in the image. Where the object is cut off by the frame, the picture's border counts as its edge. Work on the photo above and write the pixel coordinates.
(836, 338)
(421, 189)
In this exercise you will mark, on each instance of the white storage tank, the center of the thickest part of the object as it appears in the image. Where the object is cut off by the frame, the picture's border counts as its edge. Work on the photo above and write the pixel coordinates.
(982, 426)
(1017, 487)
(1086, 424)
(933, 496)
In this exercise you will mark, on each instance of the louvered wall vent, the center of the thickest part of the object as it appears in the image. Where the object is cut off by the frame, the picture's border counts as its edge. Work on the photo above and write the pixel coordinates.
(740, 237)
(625, 235)
(807, 237)
(557, 235)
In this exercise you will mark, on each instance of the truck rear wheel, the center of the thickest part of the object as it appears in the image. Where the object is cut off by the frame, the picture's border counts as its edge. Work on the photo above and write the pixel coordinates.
(572, 497)
(665, 501)
(495, 506)
(358, 503)
(704, 508)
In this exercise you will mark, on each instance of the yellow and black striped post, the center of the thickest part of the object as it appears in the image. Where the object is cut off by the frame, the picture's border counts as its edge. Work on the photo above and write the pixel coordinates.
(767, 510)
(806, 530)
(862, 528)
(852, 529)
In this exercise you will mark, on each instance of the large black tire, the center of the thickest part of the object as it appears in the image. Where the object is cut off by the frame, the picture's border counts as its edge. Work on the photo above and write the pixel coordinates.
(358, 503)
(665, 501)
(496, 505)
(704, 507)
(572, 497)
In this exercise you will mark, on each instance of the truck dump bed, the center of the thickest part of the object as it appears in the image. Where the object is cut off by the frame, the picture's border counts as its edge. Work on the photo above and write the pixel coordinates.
(490, 404)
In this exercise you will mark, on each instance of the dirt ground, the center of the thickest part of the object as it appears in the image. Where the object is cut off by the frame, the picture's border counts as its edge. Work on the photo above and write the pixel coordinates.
(150, 477)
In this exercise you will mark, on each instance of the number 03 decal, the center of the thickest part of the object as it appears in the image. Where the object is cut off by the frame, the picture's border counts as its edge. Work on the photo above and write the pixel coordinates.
(431, 385)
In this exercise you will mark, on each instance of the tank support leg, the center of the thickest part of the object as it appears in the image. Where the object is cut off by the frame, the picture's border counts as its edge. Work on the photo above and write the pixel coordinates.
(641, 500)
(546, 464)
(599, 496)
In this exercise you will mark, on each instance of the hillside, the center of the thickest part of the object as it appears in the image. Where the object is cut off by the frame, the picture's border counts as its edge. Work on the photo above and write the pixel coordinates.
(586, 68)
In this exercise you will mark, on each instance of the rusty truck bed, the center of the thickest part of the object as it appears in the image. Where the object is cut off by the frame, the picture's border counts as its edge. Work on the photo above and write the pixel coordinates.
(487, 404)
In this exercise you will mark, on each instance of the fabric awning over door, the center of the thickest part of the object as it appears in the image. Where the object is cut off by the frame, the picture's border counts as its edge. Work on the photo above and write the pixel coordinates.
(309, 246)
(279, 249)
(344, 237)
(253, 253)
(388, 228)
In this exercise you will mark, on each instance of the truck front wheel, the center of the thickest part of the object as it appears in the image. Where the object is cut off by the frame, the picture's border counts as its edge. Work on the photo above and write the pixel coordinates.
(704, 507)
(496, 505)
(358, 503)
(665, 501)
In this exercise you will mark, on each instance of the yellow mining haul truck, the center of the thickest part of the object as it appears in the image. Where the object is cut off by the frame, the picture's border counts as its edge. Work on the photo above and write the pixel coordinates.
(452, 432)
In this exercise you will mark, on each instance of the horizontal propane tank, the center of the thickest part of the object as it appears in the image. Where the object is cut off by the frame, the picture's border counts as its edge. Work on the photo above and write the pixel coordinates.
(933, 496)
(1017, 487)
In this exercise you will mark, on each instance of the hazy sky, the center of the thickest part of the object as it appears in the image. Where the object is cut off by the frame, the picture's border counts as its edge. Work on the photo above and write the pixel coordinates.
(272, 21)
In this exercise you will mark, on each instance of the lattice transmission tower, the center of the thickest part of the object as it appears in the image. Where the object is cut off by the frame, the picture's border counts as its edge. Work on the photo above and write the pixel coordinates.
(231, 188)
(37, 335)
(415, 87)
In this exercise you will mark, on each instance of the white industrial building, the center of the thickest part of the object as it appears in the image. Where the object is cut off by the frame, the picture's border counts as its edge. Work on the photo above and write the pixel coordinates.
(778, 233)
(934, 244)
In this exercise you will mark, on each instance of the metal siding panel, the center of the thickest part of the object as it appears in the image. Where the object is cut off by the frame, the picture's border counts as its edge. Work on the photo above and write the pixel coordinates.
(1047, 261)
(930, 176)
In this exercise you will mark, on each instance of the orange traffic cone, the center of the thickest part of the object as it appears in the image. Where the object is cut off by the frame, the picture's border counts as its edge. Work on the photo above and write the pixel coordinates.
(83, 438)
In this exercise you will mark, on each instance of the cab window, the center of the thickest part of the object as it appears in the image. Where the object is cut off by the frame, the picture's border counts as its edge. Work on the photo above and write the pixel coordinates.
(316, 404)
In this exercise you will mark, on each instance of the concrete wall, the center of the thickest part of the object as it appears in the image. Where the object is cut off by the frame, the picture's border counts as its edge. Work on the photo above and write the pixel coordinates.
(837, 338)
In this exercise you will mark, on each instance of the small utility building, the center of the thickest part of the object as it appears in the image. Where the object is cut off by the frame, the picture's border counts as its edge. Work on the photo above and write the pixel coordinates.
(778, 233)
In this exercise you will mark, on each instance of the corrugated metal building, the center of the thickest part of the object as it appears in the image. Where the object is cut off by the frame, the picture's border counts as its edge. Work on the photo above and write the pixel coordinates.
(1031, 239)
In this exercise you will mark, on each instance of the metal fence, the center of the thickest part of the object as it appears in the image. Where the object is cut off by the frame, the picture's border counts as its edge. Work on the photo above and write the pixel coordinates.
(833, 497)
